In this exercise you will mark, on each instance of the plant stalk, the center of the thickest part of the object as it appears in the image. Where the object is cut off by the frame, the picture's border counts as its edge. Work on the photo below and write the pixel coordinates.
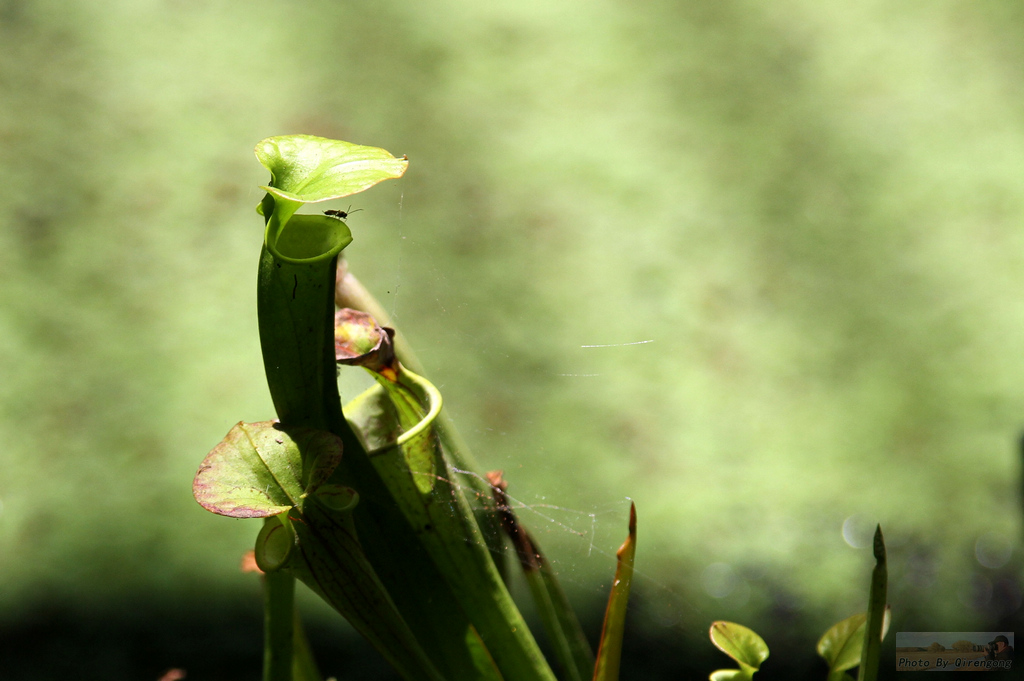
(872, 651)
(278, 625)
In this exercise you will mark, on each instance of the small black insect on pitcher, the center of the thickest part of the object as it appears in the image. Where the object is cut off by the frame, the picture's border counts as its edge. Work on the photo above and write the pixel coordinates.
(341, 214)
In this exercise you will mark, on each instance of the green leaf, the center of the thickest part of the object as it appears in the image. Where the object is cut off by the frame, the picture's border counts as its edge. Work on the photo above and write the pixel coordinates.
(730, 675)
(739, 643)
(566, 633)
(609, 651)
(842, 643)
(258, 469)
(308, 169)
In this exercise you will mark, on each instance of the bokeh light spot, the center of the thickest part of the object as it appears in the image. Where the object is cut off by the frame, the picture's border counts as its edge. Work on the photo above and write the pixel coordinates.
(719, 580)
(859, 530)
(993, 550)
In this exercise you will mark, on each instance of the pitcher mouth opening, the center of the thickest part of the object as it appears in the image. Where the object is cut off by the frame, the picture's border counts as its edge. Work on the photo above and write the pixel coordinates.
(308, 238)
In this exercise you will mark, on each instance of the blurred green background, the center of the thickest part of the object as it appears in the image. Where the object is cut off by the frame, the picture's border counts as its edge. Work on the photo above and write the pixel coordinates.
(810, 213)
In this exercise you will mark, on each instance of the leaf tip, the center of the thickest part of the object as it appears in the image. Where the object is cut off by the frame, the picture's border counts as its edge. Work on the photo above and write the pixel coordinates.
(879, 545)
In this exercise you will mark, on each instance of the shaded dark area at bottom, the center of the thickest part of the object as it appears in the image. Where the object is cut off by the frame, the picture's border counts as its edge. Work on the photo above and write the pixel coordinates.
(210, 640)
(140, 641)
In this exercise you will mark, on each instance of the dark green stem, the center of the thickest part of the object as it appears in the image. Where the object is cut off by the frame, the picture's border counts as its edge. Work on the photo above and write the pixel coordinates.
(564, 630)
(297, 343)
(871, 653)
(295, 349)
(304, 667)
(278, 625)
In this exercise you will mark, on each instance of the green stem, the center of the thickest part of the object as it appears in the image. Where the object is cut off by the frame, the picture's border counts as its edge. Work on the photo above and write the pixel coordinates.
(872, 651)
(278, 625)
(560, 622)
(304, 667)
(566, 634)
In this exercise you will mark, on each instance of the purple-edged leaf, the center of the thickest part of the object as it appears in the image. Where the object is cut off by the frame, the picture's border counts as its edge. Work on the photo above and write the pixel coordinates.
(307, 169)
(360, 341)
(260, 470)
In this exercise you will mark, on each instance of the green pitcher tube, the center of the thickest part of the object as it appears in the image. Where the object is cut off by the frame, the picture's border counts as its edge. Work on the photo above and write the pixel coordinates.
(295, 302)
